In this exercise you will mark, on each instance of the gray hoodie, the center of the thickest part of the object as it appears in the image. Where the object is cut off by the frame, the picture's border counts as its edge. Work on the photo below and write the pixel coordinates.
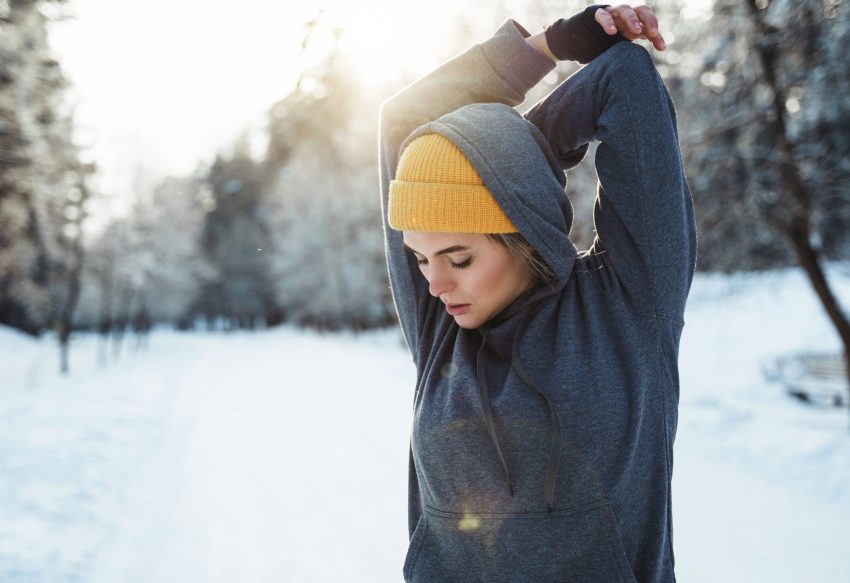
(542, 442)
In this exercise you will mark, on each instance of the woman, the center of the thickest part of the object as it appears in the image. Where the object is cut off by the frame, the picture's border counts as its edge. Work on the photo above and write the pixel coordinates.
(547, 388)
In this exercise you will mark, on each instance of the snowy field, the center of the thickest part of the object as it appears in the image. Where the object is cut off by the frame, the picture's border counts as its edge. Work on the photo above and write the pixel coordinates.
(282, 455)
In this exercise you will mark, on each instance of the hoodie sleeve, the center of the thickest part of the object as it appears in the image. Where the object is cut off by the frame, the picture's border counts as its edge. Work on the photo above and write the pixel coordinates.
(643, 213)
(502, 69)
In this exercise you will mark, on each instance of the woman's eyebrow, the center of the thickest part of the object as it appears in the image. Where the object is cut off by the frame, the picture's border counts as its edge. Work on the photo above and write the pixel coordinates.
(447, 250)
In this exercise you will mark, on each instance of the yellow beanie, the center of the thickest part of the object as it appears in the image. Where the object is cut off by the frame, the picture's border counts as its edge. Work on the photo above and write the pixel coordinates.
(438, 189)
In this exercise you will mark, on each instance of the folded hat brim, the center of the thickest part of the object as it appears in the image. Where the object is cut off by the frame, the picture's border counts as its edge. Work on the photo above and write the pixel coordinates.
(447, 208)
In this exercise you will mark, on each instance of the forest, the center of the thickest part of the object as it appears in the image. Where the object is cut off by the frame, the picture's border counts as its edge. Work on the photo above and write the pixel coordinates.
(292, 233)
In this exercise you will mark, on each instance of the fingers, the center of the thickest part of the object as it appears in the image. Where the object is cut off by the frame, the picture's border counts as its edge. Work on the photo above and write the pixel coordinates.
(606, 20)
(631, 23)
(647, 19)
(650, 27)
(629, 19)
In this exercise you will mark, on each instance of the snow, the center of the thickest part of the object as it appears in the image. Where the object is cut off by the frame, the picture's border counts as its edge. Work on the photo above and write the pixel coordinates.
(282, 455)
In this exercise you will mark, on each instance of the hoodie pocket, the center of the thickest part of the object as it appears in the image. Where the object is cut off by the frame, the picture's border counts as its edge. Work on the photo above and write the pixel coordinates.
(579, 545)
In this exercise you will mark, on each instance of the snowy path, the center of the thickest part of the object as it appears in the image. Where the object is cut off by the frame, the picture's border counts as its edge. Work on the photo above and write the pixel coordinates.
(283, 465)
(282, 455)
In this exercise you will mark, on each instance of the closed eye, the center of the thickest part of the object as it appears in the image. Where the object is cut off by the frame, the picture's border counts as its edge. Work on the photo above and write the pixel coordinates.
(462, 265)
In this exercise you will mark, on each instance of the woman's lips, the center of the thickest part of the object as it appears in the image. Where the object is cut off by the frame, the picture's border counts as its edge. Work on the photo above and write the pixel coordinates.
(458, 309)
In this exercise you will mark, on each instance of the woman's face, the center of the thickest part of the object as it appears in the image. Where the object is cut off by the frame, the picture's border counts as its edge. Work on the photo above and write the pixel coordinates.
(474, 276)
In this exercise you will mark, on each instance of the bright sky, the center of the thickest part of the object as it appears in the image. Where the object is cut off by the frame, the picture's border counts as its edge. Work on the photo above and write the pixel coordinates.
(162, 84)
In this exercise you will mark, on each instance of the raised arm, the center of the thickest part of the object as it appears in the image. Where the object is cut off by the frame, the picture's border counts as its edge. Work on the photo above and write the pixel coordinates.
(644, 215)
(501, 69)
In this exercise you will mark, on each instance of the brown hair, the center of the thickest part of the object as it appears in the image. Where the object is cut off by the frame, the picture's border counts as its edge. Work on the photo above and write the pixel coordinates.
(527, 256)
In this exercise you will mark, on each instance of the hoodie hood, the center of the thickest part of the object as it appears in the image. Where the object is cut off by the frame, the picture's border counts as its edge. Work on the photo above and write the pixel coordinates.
(518, 167)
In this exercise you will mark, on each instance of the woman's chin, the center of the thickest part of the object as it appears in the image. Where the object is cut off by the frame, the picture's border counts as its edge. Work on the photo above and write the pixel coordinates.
(468, 321)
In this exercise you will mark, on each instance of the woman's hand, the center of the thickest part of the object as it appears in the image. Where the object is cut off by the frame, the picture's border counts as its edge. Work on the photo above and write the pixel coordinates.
(589, 33)
(632, 23)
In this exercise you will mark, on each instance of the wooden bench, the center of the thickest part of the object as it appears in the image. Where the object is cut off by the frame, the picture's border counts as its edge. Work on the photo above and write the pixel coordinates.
(817, 378)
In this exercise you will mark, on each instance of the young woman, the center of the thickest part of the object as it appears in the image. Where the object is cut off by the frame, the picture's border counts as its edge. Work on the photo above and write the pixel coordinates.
(547, 389)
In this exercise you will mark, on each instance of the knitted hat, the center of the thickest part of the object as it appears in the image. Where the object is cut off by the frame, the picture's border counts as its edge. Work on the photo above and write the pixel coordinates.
(438, 189)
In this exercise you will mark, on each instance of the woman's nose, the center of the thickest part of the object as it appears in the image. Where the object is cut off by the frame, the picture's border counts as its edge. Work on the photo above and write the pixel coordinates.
(439, 283)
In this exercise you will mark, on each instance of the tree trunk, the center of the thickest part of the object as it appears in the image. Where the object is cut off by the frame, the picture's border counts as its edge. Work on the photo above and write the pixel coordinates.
(809, 259)
(66, 317)
(796, 226)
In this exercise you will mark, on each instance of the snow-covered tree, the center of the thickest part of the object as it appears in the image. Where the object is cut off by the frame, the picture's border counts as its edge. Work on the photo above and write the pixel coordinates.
(321, 190)
(235, 242)
(152, 258)
(40, 189)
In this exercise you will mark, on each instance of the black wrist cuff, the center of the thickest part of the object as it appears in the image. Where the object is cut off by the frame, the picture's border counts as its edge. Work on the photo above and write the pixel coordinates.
(580, 38)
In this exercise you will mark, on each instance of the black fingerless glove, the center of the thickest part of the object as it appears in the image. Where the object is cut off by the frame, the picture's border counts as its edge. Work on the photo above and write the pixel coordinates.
(580, 38)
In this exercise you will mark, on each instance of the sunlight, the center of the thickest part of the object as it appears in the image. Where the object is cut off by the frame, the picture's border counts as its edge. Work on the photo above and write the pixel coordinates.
(381, 48)
(172, 90)
(384, 38)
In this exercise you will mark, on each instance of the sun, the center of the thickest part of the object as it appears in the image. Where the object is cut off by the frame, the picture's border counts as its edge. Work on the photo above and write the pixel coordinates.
(378, 58)
(381, 39)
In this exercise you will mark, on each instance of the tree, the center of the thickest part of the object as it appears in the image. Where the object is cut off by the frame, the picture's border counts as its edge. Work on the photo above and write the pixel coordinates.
(37, 156)
(323, 209)
(781, 71)
(235, 241)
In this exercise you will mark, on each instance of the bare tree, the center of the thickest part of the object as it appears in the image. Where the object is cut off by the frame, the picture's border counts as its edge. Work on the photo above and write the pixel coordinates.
(773, 139)
(794, 216)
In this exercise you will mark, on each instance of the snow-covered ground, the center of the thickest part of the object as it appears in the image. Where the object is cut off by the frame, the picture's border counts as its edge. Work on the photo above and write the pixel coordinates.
(282, 455)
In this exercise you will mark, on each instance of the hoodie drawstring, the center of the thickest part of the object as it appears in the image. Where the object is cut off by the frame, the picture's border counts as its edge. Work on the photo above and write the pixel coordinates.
(555, 448)
(484, 392)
